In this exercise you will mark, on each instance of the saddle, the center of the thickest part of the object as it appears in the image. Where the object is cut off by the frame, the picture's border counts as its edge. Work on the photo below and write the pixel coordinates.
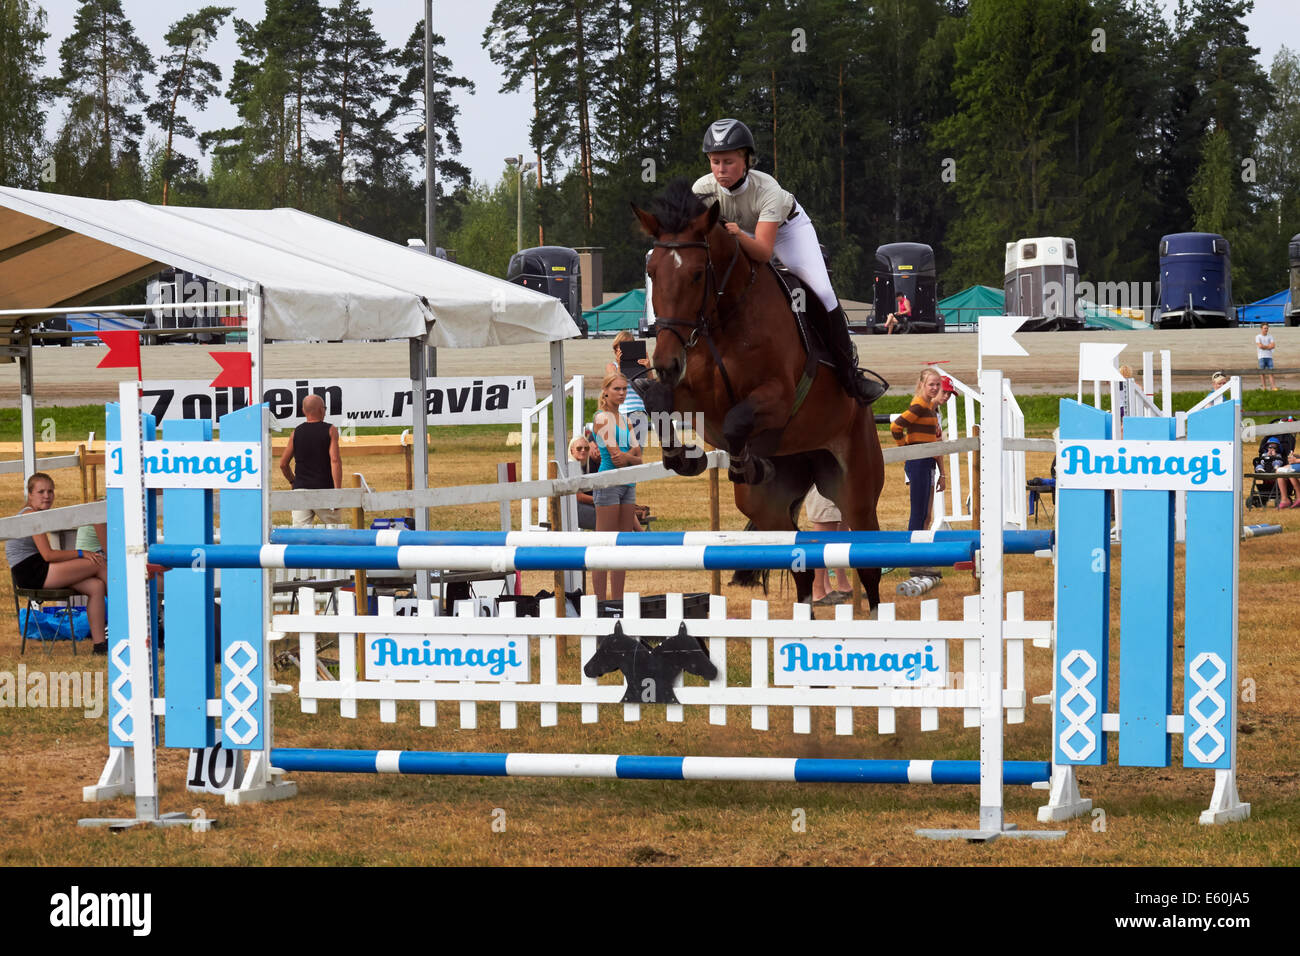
(814, 345)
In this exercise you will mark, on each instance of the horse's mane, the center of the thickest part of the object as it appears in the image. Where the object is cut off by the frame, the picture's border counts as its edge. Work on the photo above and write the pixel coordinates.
(677, 206)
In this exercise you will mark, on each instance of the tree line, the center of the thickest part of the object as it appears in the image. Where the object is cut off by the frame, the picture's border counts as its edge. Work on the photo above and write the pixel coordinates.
(960, 124)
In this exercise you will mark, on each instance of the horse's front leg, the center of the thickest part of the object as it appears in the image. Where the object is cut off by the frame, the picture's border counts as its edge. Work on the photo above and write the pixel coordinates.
(678, 456)
(759, 411)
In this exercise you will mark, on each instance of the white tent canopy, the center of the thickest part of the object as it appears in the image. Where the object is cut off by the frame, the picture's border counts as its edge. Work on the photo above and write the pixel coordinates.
(318, 280)
(300, 277)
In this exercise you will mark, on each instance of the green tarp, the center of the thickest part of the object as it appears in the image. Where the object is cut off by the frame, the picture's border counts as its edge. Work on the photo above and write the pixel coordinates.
(623, 312)
(965, 307)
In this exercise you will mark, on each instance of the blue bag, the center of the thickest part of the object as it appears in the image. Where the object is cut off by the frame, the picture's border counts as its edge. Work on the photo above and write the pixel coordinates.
(51, 623)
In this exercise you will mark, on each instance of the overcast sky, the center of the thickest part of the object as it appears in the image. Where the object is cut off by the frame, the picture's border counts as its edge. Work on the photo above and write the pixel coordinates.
(492, 124)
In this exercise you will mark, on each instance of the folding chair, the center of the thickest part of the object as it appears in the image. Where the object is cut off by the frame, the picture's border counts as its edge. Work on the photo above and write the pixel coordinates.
(33, 599)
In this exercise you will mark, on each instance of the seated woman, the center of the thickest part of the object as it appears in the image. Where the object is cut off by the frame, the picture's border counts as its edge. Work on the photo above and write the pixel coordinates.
(581, 453)
(36, 565)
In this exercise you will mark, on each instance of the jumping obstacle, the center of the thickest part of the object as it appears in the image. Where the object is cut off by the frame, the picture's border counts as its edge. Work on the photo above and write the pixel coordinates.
(766, 769)
(989, 691)
(1260, 530)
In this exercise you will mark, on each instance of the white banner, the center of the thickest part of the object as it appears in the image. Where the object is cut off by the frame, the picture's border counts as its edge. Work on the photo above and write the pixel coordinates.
(190, 464)
(875, 662)
(443, 657)
(482, 400)
(1144, 465)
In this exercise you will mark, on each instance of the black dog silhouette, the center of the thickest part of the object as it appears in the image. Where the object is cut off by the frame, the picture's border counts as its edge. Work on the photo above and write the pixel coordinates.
(650, 671)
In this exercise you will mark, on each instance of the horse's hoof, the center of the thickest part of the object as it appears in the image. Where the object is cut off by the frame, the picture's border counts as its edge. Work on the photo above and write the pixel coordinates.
(692, 462)
(761, 471)
(688, 463)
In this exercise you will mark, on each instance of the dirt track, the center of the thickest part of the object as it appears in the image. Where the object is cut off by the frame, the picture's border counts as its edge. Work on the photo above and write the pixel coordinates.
(67, 376)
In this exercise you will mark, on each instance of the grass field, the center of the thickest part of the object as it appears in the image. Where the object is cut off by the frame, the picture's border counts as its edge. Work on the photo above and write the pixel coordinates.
(1148, 817)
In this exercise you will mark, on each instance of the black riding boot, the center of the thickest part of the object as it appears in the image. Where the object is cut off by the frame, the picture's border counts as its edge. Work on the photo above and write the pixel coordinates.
(835, 333)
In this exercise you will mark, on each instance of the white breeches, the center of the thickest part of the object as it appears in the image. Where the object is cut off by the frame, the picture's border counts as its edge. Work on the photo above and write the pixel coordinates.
(797, 246)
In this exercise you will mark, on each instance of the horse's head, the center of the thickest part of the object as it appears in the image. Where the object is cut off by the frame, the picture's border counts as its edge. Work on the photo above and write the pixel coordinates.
(681, 274)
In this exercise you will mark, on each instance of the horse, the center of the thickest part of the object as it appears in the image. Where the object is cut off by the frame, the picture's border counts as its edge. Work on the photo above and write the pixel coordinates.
(730, 348)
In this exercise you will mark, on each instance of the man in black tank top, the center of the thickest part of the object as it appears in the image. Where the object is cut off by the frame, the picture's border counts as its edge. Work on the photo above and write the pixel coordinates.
(314, 448)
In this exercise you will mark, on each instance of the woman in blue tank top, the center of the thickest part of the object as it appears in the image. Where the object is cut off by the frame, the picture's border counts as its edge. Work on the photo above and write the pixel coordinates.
(615, 506)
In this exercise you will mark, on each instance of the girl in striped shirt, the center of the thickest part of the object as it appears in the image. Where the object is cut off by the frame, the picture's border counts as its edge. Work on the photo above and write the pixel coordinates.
(918, 425)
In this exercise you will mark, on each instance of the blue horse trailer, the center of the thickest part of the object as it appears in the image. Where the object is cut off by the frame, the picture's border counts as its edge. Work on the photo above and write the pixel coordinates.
(1195, 282)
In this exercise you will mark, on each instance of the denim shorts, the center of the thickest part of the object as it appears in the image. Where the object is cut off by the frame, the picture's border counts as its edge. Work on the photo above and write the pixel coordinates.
(1266, 363)
(615, 495)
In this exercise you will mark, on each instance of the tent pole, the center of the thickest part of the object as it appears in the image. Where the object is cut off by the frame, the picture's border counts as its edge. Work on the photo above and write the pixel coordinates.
(560, 444)
(253, 303)
(420, 446)
(27, 402)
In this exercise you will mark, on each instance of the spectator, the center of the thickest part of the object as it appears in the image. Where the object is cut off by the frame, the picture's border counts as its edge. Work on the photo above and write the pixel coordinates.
(616, 505)
(633, 408)
(314, 448)
(900, 317)
(1288, 482)
(35, 564)
(920, 425)
(824, 516)
(1264, 346)
(586, 459)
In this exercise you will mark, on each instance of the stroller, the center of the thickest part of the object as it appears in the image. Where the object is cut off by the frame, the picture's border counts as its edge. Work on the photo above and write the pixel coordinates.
(1263, 487)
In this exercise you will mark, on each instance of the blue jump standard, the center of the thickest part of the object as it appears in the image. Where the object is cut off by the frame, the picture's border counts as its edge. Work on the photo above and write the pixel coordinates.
(798, 770)
(600, 558)
(1013, 542)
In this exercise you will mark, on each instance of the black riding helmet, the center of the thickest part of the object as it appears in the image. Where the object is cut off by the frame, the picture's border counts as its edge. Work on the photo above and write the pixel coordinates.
(727, 134)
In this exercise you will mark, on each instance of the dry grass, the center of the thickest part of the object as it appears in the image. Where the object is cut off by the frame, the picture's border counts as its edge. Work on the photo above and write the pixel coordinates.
(1150, 815)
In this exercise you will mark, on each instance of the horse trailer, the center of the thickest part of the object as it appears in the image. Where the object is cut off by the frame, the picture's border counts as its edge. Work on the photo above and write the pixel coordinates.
(554, 271)
(1195, 282)
(905, 269)
(1040, 280)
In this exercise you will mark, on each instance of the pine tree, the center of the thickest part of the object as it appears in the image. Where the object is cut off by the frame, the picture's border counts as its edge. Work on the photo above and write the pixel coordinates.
(408, 107)
(511, 40)
(187, 77)
(270, 85)
(103, 69)
(22, 95)
(349, 91)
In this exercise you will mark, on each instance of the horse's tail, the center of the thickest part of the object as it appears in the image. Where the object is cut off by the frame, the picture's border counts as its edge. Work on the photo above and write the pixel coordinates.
(750, 577)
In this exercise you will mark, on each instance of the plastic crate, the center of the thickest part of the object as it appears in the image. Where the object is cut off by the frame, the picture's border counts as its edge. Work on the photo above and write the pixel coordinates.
(694, 606)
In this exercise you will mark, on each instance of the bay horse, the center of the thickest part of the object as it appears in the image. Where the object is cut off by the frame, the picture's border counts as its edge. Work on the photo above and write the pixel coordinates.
(730, 348)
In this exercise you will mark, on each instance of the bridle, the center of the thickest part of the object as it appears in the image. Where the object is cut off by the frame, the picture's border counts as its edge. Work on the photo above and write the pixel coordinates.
(701, 326)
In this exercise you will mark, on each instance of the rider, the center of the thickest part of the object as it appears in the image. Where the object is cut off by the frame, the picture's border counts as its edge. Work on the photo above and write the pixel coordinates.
(767, 219)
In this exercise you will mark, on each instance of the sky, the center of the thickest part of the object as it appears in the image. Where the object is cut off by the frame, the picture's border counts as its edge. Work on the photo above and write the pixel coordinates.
(492, 124)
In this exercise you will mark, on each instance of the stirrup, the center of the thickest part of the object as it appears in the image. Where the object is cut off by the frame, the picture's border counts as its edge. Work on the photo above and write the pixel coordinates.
(870, 386)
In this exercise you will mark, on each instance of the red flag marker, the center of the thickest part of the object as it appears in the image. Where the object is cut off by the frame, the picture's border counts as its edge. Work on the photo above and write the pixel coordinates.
(123, 351)
(236, 370)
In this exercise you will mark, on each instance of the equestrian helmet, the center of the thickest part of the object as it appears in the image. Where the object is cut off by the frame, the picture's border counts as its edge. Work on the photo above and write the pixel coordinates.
(727, 134)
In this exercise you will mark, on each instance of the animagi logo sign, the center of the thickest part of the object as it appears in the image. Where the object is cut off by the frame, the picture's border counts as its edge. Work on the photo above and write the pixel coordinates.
(190, 464)
(481, 400)
(490, 658)
(874, 662)
(1145, 465)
